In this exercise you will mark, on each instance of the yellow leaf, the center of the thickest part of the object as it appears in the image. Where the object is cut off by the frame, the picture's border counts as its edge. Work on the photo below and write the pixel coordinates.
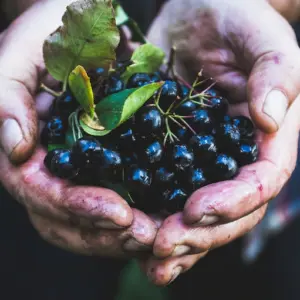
(81, 88)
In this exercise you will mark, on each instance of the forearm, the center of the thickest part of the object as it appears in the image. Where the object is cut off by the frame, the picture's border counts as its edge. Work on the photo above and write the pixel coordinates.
(290, 9)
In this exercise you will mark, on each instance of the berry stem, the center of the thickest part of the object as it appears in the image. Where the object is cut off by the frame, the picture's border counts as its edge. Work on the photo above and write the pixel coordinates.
(169, 131)
(50, 91)
(195, 83)
(130, 198)
(156, 102)
(172, 105)
(208, 88)
(201, 103)
(181, 80)
(176, 122)
(186, 124)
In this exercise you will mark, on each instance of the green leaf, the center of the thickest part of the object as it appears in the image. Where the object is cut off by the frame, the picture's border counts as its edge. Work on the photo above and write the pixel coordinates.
(121, 16)
(80, 85)
(117, 108)
(146, 59)
(91, 131)
(56, 146)
(88, 37)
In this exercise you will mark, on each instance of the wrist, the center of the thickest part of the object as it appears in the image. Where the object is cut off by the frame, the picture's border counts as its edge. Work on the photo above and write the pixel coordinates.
(289, 9)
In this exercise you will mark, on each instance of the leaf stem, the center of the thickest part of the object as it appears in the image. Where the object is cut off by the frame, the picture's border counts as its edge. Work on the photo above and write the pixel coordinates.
(75, 126)
(50, 91)
(156, 102)
(137, 34)
(65, 85)
(171, 62)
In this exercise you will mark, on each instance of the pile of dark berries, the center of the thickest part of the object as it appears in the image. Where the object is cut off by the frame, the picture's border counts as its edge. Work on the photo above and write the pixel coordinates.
(178, 142)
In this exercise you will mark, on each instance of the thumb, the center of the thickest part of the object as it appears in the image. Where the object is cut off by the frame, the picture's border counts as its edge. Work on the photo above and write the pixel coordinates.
(274, 82)
(18, 121)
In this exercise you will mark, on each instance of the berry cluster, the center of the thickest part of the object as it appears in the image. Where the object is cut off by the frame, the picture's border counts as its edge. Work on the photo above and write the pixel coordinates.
(180, 141)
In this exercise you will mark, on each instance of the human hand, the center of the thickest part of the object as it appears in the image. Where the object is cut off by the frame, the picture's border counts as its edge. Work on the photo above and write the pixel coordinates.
(91, 221)
(252, 53)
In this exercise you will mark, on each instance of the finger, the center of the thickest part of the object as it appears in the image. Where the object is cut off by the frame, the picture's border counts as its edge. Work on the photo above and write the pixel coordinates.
(164, 272)
(138, 237)
(43, 104)
(274, 82)
(255, 185)
(47, 195)
(175, 234)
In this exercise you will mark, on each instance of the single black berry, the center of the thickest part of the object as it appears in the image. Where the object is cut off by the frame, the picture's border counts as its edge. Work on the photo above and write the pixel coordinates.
(114, 85)
(138, 179)
(124, 137)
(186, 108)
(224, 168)
(218, 106)
(139, 80)
(54, 132)
(244, 125)
(212, 92)
(246, 153)
(202, 121)
(148, 120)
(86, 152)
(204, 148)
(49, 157)
(226, 119)
(170, 92)
(184, 91)
(155, 77)
(228, 136)
(150, 151)
(194, 179)
(62, 165)
(182, 133)
(164, 178)
(173, 200)
(181, 157)
(122, 65)
(110, 166)
(65, 105)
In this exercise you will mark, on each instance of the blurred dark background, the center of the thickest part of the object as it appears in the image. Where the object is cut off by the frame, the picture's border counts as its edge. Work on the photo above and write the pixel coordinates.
(35, 270)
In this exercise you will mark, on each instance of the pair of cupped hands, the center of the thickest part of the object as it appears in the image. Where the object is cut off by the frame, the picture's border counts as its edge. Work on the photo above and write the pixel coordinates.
(246, 46)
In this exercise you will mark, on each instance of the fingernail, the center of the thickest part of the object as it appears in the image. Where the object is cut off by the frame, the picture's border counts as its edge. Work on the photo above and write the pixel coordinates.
(275, 106)
(10, 135)
(106, 224)
(181, 250)
(176, 272)
(207, 220)
(134, 245)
